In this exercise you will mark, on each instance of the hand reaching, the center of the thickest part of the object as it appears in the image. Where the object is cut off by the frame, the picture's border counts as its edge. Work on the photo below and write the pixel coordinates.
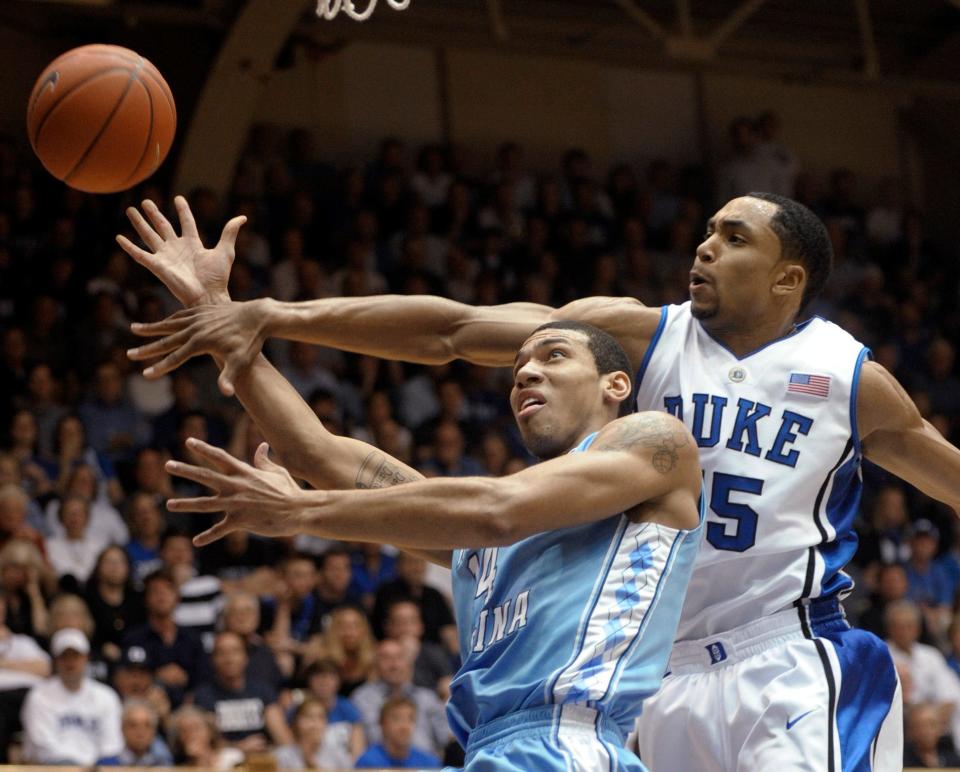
(232, 331)
(262, 498)
(193, 273)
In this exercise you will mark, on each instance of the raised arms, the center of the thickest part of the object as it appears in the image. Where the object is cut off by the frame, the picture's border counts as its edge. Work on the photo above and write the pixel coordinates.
(287, 422)
(645, 459)
(423, 329)
(896, 437)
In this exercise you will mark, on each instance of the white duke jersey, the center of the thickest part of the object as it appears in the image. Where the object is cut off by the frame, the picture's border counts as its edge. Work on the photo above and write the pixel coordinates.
(781, 458)
(582, 616)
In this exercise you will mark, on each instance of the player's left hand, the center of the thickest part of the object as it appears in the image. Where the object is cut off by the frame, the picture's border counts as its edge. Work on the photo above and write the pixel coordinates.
(193, 273)
(262, 498)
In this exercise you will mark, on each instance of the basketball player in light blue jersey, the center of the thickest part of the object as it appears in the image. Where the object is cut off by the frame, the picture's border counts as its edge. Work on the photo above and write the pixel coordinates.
(765, 673)
(568, 577)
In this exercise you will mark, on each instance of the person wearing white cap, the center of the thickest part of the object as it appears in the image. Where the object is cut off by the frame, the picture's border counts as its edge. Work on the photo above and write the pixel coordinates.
(70, 718)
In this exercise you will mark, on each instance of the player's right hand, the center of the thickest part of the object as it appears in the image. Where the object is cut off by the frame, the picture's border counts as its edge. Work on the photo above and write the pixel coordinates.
(193, 273)
(234, 332)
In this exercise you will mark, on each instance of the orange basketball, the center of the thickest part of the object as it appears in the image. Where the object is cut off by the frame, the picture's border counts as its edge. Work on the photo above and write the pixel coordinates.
(101, 118)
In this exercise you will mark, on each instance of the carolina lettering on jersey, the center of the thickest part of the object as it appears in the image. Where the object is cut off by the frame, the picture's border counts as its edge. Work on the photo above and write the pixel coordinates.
(504, 619)
(708, 414)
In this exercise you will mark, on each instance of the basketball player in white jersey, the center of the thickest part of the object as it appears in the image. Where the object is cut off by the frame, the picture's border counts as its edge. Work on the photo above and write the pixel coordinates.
(765, 671)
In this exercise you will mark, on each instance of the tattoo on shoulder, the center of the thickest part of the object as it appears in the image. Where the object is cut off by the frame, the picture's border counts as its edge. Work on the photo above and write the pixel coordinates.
(377, 471)
(645, 431)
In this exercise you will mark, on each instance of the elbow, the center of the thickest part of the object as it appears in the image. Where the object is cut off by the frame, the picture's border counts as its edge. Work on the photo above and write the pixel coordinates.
(500, 522)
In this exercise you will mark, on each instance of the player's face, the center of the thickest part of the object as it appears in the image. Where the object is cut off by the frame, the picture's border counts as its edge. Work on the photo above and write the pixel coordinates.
(556, 390)
(736, 265)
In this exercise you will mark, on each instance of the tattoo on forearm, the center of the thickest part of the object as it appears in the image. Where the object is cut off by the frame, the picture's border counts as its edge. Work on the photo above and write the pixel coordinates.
(376, 471)
(647, 431)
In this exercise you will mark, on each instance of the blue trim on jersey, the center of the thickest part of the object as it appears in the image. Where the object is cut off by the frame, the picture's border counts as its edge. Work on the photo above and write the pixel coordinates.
(648, 354)
(664, 575)
(864, 355)
(841, 511)
(868, 684)
(612, 551)
(795, 331)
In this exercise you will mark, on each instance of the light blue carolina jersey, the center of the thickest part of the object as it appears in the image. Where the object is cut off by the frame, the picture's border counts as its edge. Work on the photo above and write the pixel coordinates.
(777, 433)
(583, 615)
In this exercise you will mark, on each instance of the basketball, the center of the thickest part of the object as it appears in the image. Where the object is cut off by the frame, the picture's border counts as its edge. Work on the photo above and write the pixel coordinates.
(101, 118)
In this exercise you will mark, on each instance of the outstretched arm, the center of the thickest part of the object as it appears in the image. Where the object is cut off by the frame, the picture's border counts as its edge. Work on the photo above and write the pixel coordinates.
(194, 274)
(645, 458)
(413, 328)
(425, 329)
(896, 437)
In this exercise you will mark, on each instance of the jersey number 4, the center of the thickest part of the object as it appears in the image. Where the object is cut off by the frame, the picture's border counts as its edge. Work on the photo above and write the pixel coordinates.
(484, 570)
(745, 518)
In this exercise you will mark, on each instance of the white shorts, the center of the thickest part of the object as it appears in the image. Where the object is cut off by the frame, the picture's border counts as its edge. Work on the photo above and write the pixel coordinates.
(798, 690)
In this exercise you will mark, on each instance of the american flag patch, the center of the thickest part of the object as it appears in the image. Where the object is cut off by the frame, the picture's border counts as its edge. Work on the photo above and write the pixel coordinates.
(806, 383)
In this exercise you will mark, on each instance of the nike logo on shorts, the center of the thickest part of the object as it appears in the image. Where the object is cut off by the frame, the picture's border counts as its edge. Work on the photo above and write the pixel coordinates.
(791, 724)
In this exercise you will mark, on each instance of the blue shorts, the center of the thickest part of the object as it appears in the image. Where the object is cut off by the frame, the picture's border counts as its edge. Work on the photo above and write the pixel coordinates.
(554, 737)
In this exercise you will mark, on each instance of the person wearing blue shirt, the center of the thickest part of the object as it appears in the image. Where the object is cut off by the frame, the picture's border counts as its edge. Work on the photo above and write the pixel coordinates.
(929, 584)
(397, 719)
(141, 745)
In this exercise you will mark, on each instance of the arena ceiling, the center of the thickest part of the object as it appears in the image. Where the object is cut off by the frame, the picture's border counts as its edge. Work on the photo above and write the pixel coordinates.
(887, 39)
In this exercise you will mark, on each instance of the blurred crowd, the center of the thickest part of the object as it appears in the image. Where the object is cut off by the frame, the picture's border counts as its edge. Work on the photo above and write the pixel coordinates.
(121, 643)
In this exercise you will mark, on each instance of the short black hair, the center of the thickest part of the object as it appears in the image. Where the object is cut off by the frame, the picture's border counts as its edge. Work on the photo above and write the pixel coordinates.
(608, 354)
(804, 238)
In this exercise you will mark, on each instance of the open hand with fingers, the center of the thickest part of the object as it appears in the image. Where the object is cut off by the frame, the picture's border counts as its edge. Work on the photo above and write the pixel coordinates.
(234, 332)
(193, 273)
(198, 278)
(262, 498)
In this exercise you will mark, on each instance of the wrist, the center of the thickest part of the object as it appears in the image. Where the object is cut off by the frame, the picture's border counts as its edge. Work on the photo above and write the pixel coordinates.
(270, 314)
(213, 297)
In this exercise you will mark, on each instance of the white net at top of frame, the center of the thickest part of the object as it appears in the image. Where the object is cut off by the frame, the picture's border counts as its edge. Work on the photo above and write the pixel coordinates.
(327, 9)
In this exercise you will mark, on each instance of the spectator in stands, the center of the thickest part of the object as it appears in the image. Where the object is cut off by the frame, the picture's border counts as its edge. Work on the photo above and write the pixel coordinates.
(891, 586)
(953, 639)
(147, 526)
(310, 748)
(241, 615)
(150, 477)
(74, 554)
(23, 664)
(333, 581)
(133, 679)
(395, 679)
(113, 425)
(887, 538)
(14, 508)
(296, 610)
(105, 523)
(370, 565)
(70, 718)
(70, 448)
(176, 653)
(344, 722)
(21, 569)
(782, 161)
(201, 598)
(25, 447)
(431, 662)
(246, 708)
(924, 747)
(929, 584)
(349, 642)
(113, 602)
(398, 748)
(437, 617)
(141, 745)
(196, 742)
(931, 679)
